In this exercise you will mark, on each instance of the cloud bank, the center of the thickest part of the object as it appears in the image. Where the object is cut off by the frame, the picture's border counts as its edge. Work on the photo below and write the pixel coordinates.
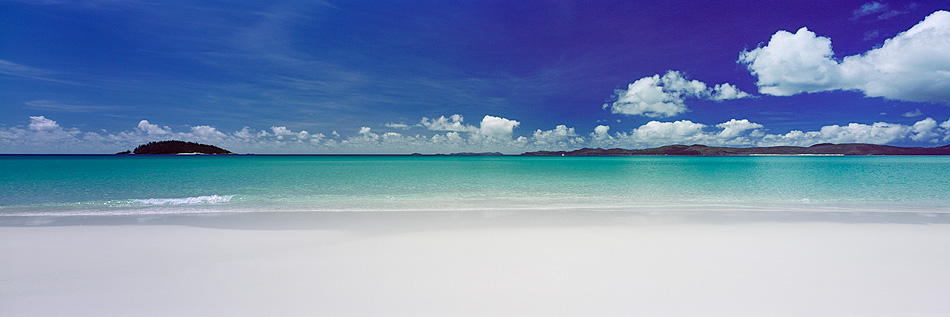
(657, 96)
(914, 65)
(450, 134)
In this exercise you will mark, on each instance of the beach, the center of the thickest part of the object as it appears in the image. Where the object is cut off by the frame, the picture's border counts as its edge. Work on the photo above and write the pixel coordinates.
(476, 236)
(478, 263)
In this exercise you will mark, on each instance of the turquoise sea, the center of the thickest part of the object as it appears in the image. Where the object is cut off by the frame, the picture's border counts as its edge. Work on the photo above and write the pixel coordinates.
(143, 185)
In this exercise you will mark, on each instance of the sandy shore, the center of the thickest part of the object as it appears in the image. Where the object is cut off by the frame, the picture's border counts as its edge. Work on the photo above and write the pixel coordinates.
(477, 264)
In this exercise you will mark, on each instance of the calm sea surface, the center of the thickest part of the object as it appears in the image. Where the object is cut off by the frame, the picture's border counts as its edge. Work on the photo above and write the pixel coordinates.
(121, 185)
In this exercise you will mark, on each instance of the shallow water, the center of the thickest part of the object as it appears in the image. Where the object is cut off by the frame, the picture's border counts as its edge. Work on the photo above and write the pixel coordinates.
(133, 185)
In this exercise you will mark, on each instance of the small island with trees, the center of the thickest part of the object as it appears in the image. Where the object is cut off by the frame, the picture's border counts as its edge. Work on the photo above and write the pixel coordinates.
(176, 148)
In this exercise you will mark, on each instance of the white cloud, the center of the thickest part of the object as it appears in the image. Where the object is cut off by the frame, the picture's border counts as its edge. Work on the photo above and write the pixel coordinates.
(745, 133)
(282, 133)
(911, 114)
(793, 63)
(656, 132)
(912, 66)
(727, 91)
(877, 133)
(792, 138)
(316, 138)
(367, 133)
(152, 129)
(601, 132)
(734, 128)
(560, 137)
(496, 127)
(452, 139)
(41, 123)
(665, 96)
(43, 129)
(452, 123)
(398, 125)
(207, 133)
(43, 135)
(925, 130)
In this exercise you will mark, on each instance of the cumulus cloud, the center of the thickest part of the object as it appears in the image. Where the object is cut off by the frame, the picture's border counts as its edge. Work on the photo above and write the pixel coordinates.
(913, 66)
(496, 127)
(792, 138)
(152, 129)
(397, 126)
(664, 96)
(601, 132)
(742, 132)
(489, 127)
(283, 133)
(925, 130)
(41, 123)
(367, 134)
(47, 129)
(656, 132)
(452, 123)
(43, 135)
(734, 128)
(559, 137)
(40, 132)
(793, 63)
(207, 133)
(877, 133)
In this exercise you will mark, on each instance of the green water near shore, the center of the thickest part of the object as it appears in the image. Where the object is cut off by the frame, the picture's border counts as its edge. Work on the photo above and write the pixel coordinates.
(93, 185)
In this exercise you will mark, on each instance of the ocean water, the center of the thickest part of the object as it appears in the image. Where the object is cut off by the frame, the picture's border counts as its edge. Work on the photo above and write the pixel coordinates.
(144, 185)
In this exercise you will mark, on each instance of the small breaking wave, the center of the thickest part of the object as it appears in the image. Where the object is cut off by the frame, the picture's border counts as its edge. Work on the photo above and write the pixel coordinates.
(199, 200)
(186, 205)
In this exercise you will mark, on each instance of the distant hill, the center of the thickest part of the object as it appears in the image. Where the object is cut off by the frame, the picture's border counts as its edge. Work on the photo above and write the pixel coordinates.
(702, 150)
(176, 147)
(477, 154)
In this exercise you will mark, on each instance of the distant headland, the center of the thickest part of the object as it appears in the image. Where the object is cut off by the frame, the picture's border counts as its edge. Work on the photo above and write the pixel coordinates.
(702, 150)
(824, 149)
(176, 147)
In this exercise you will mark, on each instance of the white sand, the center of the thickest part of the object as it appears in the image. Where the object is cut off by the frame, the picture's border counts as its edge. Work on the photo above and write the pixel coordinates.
(360, 266)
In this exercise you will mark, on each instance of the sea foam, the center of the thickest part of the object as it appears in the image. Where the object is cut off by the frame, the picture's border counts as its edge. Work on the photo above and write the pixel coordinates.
(199, 200)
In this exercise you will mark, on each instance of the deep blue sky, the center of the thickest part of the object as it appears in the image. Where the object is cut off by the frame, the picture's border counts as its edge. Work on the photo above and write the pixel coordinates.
(81, 76)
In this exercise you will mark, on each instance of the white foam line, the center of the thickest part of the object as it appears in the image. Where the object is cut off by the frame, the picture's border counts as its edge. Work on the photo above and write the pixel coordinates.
(197, 207)
(213, 199)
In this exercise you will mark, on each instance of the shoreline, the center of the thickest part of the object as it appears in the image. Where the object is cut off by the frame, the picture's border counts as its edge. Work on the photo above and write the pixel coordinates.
(527, 217)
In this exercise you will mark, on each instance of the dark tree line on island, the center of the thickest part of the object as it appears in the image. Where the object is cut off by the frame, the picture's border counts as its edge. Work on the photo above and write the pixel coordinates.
(176, 147)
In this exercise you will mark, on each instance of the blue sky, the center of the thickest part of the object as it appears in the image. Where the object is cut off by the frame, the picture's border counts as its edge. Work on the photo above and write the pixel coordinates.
(101, 76)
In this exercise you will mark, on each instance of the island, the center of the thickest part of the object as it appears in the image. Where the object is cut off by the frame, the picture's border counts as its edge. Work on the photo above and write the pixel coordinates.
(176, 148)
(703, 150)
